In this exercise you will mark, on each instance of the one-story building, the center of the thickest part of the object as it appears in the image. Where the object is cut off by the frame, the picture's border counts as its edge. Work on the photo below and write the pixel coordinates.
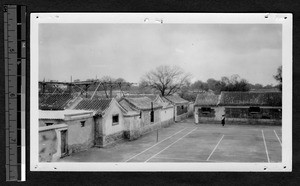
(239, 107)
(206, 108)
(252, 107)
(108, 118)
(180, 107)
(167, 111)
(149, 114)
(64, 132)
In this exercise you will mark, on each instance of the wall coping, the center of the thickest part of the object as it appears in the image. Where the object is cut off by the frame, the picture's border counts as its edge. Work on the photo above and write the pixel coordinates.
(51, 127)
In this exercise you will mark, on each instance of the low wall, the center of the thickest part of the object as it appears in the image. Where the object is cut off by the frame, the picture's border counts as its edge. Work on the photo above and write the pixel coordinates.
(241, 121)
(136, 132)
(150, 128)
(47, 145)
(167, 123)
(80, 146)
(112, 138)
(181, 117)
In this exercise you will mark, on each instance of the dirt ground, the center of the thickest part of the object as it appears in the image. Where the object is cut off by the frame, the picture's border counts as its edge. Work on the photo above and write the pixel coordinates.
(189, 142)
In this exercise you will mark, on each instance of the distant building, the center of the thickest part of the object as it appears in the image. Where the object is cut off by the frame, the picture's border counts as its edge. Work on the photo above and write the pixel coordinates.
(239, 107)
(167, 111)
(206, 108)
(180, 106)
(70, 122)
(149, 114)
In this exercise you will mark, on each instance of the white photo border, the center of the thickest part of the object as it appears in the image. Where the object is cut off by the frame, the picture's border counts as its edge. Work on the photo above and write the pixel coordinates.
(285, 19)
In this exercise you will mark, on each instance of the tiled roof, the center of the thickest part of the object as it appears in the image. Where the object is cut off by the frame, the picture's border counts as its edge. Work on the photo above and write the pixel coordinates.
(95, 104)
(142, 103)
(57, 101)
(129, 109)
(207, 99)
(251, 99)
(59, 114)
(175, 99)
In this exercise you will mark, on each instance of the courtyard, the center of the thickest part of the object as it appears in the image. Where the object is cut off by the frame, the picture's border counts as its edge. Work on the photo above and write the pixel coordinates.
(186, 141)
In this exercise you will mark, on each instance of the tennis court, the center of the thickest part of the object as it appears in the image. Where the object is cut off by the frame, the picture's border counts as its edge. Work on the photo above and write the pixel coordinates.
(189, 142)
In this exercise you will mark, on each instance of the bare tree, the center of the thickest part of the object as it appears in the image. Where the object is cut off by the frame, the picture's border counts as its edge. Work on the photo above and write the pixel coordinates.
(166, 79)
(106, 83)
(278, 77)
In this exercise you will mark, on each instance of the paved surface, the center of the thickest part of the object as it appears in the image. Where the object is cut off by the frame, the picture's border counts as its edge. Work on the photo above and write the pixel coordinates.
(188, 142)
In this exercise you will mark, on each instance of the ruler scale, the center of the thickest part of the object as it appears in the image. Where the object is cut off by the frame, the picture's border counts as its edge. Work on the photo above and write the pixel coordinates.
(15, 68)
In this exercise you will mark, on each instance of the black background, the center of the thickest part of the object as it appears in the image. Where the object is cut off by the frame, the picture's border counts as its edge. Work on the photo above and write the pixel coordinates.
(154, 178)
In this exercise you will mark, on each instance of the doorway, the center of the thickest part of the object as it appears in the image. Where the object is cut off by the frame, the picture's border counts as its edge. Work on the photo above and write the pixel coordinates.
(64, 144)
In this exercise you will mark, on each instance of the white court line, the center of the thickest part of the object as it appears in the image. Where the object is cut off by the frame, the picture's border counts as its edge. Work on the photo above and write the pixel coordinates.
(215, 148)
(265, 145)
(277, 138)
(154, 145)
(170, 145)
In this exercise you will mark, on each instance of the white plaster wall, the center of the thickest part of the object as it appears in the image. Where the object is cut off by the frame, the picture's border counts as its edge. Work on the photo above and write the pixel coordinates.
(166, 114)
(219, 111)
(108, 127)
(78, 134)
(132, 123)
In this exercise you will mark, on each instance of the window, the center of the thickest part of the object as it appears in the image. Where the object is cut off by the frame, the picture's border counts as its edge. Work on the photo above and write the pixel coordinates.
(115, 119)
(82, 123)
(140, 114)
(205, 110)
(152, 116)
(49, 124)
(182, 107)
(254, 110)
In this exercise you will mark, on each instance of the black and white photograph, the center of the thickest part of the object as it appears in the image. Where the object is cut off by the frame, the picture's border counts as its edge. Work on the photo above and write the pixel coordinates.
(161, 92)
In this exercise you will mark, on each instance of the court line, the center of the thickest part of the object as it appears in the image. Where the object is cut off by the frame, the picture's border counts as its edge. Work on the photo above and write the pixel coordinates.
(170, 145)
(153, 145)
(277, 138)
(192, 160)
(215, 148)
(265, 146)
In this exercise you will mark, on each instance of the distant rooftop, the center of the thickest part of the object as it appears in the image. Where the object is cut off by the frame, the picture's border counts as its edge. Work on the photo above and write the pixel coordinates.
(96, 104)
(141, 103)
(176, 99)
(55, 101)
(251, 98)
(207, 99)
(150, 96)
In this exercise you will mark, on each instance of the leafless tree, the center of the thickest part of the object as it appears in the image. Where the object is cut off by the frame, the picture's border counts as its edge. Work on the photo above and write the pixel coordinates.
(166, 79)
(278, 77)
(106, 83)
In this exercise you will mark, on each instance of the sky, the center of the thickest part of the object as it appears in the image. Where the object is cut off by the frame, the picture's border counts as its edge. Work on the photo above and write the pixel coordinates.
(85, 51)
